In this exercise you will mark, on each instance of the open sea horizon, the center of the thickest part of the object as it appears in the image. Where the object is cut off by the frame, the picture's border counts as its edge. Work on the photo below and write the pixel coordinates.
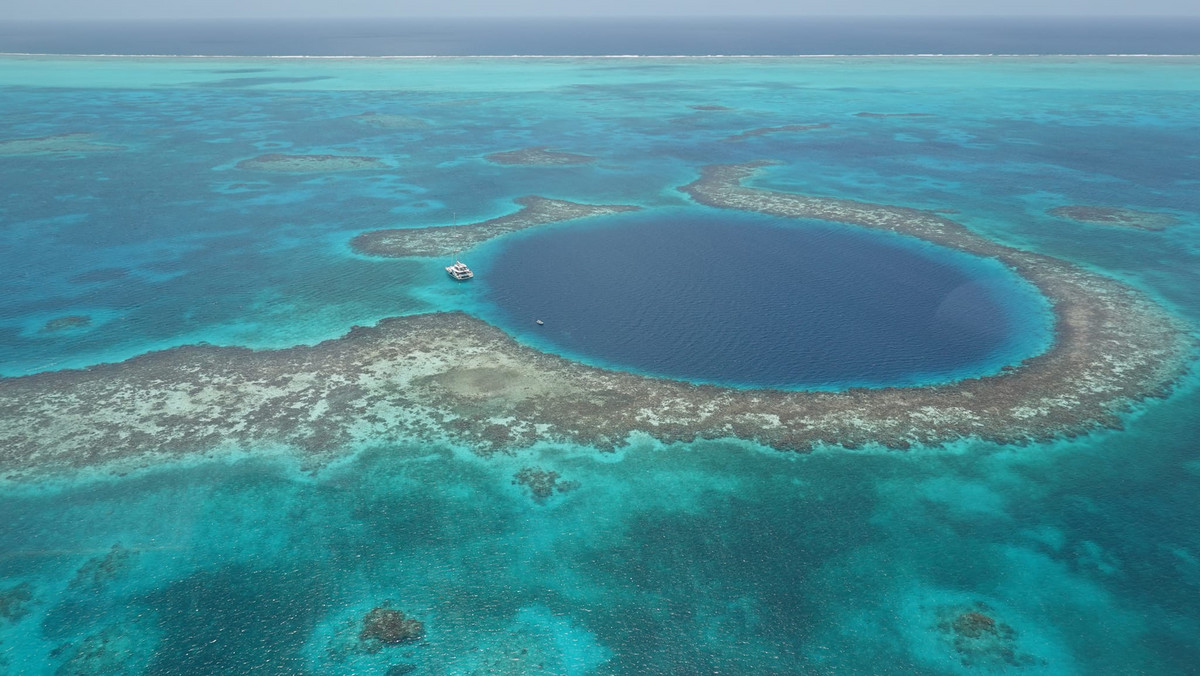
(149, 205)
(695, 36)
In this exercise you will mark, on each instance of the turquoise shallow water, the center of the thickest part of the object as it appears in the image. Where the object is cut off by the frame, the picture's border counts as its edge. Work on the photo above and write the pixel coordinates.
(690, 558)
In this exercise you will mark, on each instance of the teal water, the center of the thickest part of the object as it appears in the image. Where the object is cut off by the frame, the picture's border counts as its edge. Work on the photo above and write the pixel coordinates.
(690, 558)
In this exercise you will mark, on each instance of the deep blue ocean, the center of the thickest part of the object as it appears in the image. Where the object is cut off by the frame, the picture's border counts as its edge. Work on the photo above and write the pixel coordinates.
(714, 556)
(746, 300)
(609, 36)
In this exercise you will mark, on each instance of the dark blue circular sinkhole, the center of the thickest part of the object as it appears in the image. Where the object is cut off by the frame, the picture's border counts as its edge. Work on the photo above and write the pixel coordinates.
(751, 300)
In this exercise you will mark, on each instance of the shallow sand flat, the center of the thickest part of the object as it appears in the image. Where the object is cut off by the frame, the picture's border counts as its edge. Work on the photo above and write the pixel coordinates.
(1115, 216)
(446, 239)
(58, 144)
(310, 163)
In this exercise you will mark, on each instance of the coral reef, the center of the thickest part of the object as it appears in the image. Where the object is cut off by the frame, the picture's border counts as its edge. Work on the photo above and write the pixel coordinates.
(705, 107)
(978, 639)
(15, 602)
(1115, 216)
(310, 163)
(763, 131)
(402, 379)
(390, 121)
(57, 144)
(886, 115)
(542, 483)
(445, 239)
(65, 323)
(109, 652)
(98, 571)
(539, 156)
(100, 275)
(385, 626)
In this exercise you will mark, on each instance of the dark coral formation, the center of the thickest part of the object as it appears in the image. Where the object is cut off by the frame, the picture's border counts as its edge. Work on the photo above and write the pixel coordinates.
(1116, 216)
(310, 163)
(390, 121)
(385, 626)
(58, 144)
(980, 640)
(538, 156)
(542, 484)
(404, 380)
(974, 624)
(109, 652)
(99, 275)
(763, 131)
(446, 239)
(98, 571)
(708, 107)
(66, 323)
(15, 602)
(887, 115)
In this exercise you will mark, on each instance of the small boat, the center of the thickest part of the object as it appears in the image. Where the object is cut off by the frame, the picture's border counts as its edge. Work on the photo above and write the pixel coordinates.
(459, 270)
(540, 322)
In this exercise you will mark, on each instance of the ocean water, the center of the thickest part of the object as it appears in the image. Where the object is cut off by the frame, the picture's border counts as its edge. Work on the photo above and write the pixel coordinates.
(600, 36)
(708, 557)
(750, 300)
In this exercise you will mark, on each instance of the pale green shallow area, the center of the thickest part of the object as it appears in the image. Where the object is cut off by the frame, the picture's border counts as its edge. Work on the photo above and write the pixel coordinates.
(1135, 73)
(707, 557)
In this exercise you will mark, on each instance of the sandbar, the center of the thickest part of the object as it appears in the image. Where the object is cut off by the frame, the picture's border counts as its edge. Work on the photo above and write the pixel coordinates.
(404, 380)
(540, 156)
(278, 162)
(445, 239)
(1116, 217)
(57, 144)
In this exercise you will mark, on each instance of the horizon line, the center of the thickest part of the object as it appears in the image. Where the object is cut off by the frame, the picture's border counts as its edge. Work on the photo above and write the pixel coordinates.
(592, 17)
(997, 55)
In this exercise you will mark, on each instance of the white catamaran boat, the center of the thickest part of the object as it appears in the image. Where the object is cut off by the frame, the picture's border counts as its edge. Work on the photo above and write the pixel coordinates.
(459, 270)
